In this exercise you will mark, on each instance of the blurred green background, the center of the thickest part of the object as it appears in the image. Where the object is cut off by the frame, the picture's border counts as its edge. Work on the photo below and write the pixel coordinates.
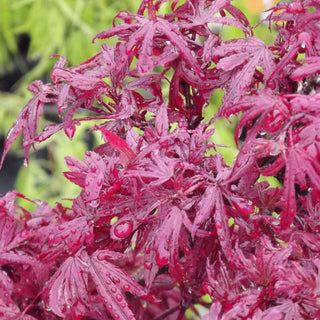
(31, 31)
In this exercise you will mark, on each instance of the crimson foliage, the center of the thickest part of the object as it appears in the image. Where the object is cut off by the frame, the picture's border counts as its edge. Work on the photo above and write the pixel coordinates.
(160, 222)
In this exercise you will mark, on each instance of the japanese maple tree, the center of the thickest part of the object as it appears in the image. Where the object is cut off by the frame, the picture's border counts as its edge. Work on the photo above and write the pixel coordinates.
(162, 224)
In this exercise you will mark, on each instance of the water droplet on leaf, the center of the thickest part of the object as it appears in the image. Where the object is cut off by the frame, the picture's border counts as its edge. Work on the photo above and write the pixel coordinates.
(69, 163)
(102, 256)
(70, 132)
(109, 307)
(129, 50)
(144, 68)
(218, 225)
(161, 261)
(116, 280)
(119, 297)
(123, 229)
(148, 265)
(126, 210)
(25, 234)
(88, 235)
(113, 289)
(126, 287)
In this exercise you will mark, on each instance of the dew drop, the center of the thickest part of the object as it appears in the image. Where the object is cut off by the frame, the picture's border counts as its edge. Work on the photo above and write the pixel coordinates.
(218, 225)
(116, 316)
(148, 265)
(122, 59)
(2, 202)
(222, 238)
(116, 280)
(295, 8)
(113, 289)
(161, 261)
(126, 210)
(123, 228)
(233, 187)
(128, 50)
(64, 237)
(69, 163)
(144, 68)
(70, 132)
(119, 297)
(94, 203)
(51, 239)
(123, 305)
(271, 84)
(126, 287)
(60, 228)
(88, 153)
(99, 182)
(109, 307)
(108, 282)
(25, 234)
(88, 235)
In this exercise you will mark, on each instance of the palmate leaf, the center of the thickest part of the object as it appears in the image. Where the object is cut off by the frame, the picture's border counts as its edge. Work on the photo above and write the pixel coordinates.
(300, 167)
(197, 14)
(88, 174)
(118, 144)
(242, 57)
(111, 283)
(155, 170)
(212, 206)
(166, 241)
(10, 311)
(69, 288)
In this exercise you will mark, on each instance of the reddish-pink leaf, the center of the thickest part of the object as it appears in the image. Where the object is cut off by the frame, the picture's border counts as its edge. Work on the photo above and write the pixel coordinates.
(111, 283)
(68, 286)
(118, 144)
